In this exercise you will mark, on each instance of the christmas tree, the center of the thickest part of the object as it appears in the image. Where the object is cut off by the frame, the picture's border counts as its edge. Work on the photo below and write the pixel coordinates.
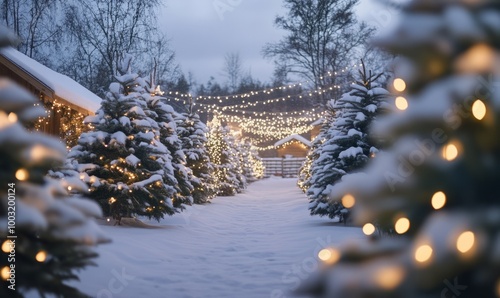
(226, 160)
(193, 134)
(47, 234)
(128, 170)
(346, 146)
(251, 162)
(166, 117)
(435, 184)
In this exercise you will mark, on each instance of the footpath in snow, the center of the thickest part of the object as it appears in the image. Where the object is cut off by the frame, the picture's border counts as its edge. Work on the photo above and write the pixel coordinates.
(258, 244)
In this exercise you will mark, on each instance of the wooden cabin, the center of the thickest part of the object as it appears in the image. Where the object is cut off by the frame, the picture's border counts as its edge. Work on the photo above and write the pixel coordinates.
(66, 102)
(293, 146)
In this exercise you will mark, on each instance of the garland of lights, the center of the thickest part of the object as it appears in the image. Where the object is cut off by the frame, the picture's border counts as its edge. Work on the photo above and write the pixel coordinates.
(177, 94)
(70, 121)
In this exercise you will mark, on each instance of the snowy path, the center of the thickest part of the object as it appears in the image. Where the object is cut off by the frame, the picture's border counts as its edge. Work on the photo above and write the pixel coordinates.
(257, 244)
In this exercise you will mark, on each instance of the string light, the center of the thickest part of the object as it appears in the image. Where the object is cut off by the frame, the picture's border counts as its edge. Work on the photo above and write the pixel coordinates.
(348, 201)
(369, 229)
(5, 272)
(12, 117)
(399, 85)
(401, 103)
(423, 253)
(389, 277)
(329, 256)
(450, 152)
(438, 200)
(465, 241)
(6, 246)
(22, 174)
(402, 225)
(41, 256)
(479, 109)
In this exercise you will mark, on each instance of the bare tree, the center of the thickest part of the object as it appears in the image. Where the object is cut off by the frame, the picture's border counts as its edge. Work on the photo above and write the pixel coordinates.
(322, 37)
(232, 70)
(36, 23)
(103, 30)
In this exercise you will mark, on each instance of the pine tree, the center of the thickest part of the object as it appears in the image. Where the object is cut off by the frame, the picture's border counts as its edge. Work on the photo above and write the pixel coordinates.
(193, 134)
(225, 159)
(126, 167)
(436, 182)
(251, 162)
(47, 235)
(166, 117)
(346, 147)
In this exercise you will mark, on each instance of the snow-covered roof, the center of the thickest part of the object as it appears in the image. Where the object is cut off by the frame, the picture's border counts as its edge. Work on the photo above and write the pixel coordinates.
(318, 122)
(293, 137)
(62, 86)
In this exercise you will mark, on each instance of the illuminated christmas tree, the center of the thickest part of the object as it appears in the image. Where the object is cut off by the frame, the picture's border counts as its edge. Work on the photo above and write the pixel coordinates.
(345, 146)
(226, 160)
(193, 134)
(436, 183)
(128, 170)
(166, 117)
(47, 235)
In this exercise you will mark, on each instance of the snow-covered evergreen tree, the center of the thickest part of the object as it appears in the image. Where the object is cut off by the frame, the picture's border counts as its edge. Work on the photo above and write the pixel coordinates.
(46, 234)
(193, 133)
(347, 146)
(436, 181)
(305, 170)
(166, 117)
(128, 170)
(252, 164)
(221, 148)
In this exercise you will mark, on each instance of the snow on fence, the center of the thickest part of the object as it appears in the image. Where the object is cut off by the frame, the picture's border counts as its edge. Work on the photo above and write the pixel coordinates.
(285, 167)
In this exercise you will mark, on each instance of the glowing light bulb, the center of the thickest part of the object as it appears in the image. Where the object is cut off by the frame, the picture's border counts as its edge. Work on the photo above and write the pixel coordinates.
(399, 85)
(41, 256)
(465, 241)
(329, 255)
(108, 220)
(111, 200)
(12, 117)
(22, 174)
(5, 273)
(402, 225)
(438, 200)
(479, 109)
(450, 152)
(401, 103)
(348, 201)
(389, 278)
(70, 188)
(6, 246)
(368, 229)
(423, 253)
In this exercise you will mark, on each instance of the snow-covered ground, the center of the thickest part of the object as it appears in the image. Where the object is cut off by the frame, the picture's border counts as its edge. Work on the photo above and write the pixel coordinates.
(261, 243)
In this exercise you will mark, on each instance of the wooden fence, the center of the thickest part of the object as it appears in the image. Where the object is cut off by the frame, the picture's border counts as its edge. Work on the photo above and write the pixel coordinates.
(284, 167)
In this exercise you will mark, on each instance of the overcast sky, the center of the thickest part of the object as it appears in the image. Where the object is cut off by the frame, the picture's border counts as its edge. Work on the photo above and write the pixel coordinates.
(203, 31)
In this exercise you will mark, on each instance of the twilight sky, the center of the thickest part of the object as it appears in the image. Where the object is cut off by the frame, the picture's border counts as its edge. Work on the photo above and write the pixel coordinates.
(203, 31)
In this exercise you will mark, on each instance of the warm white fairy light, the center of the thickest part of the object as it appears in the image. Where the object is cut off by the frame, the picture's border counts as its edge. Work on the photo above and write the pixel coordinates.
(389, 277)
(401, 103)
(465, 242)
(399, 85)
(5, 273)
(450, 152)
(402, 225)
(423, 253)
(479, 109)
(329, 255)
(22, 174)
(369, 229)
(438, 200)
(348, 201)
(41, 256)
